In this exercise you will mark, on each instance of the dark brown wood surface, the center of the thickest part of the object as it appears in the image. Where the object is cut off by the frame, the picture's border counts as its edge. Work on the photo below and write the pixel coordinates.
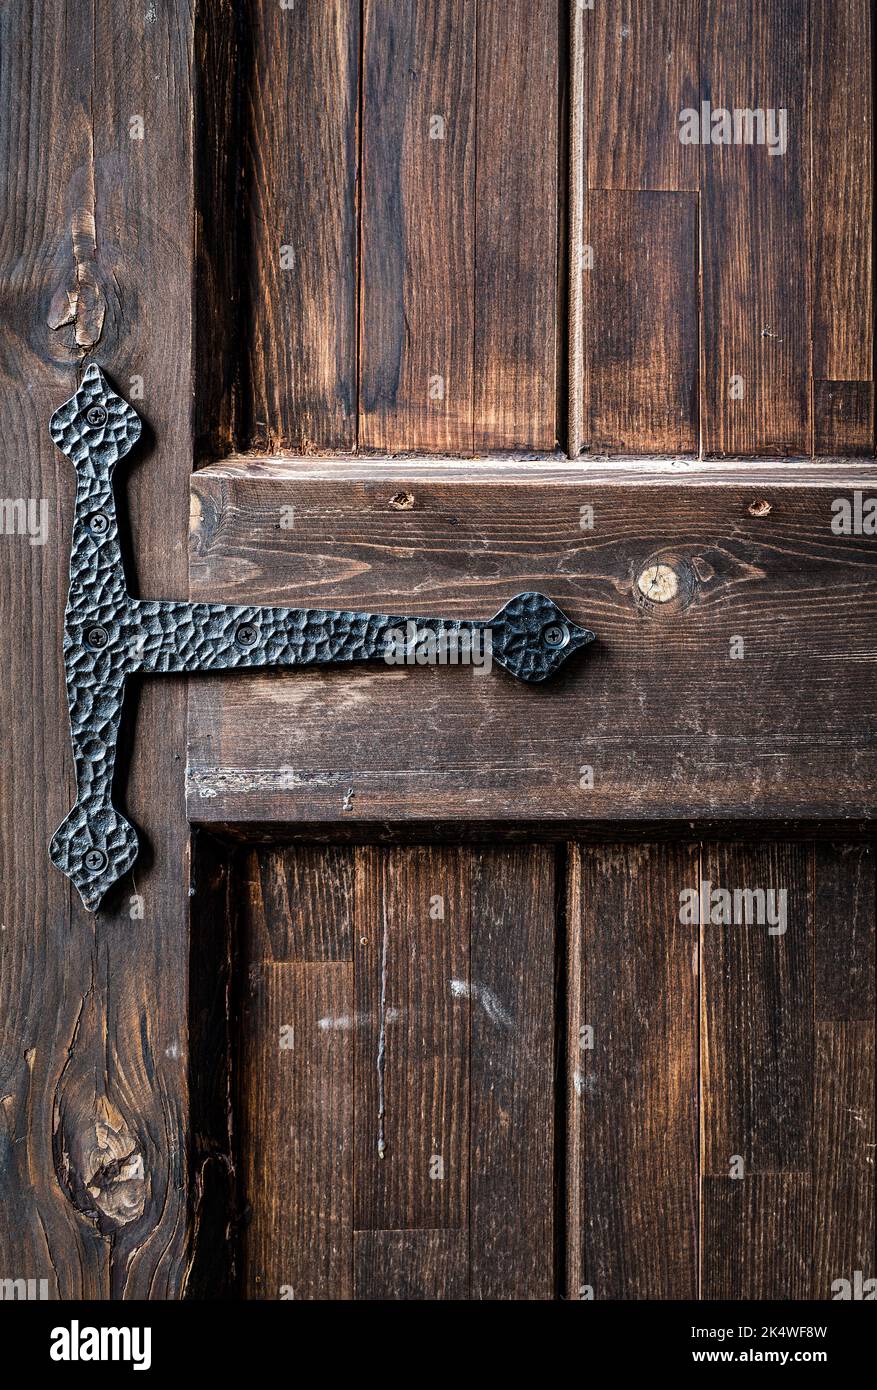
(673, 723)
(97, 263)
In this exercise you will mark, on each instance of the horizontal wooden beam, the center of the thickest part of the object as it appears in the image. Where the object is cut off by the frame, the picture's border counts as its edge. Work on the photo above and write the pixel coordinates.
(734, 677)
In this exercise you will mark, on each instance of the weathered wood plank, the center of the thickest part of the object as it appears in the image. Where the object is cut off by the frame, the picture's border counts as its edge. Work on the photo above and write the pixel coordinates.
(298, 903)
(843, 417)
(511, 1177)
(410, 1265)
(632, 1060)
(757, 1008)
(642, 323)
(843, 1153)
(643, 69)
(295, 1089)
(95, 262)
(757, 561)
(844, 931)
(754, 233)
(841, 208)
(418, 226)
(411, 960)
(516, 200)
(756, 1236)
(300, 87)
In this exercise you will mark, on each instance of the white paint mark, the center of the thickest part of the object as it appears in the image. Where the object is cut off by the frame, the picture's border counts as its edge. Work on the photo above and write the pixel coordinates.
(463, 989)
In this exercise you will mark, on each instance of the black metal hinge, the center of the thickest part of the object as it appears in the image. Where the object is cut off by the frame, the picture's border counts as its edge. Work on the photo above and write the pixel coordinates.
(109, 636)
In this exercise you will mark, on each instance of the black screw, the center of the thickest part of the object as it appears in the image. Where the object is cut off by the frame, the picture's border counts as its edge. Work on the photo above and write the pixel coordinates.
(97, 638)
(555, 635)
(96, 415)
(246, 635)
(95, 860)
(99, 524)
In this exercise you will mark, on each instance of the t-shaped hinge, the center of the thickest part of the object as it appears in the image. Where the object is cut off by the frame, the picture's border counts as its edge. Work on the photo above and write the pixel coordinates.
(108, 636)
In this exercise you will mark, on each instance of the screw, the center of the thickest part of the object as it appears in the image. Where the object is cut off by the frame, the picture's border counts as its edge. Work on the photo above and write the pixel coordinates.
(246, 635)
(96, 415)
(95, 860)
(99, 524)
(555, 635)
(96, 638)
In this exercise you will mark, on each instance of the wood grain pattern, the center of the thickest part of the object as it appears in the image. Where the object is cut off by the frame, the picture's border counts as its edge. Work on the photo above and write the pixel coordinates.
(757, 1011)
(756, 1237)
(749, 738)
(843, 1154)
(95, 262)
(844, 931)
(418, 226)
(300, 85)
(642, 316)
(632, 1158)
(511, 1121)
(842, 190)
(413, 1266)
(296, 1118)
(298, 904)
(643, 70)
(411, 959)
(754, 235)
(516, 199)
(843, 417)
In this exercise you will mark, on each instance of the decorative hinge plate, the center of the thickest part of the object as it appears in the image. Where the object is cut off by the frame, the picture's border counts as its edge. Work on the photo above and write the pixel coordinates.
(108, 636)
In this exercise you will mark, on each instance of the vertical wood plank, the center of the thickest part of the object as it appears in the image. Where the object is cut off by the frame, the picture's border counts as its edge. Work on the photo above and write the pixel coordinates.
(642, 324)
(643, 72)
(843, 418)
(95, 261)
(844, 931)
(300, 84)
(411, 956)
(632, 1158)
(410, 1265)
(418, 226)
(757, 1023)
(516, 273)
(511, 1182)
(756, 1236)
(296, 1106)
(754, 235)
(841, 100)
(297, 903)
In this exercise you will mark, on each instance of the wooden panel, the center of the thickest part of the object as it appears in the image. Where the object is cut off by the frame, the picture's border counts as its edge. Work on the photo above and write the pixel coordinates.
(632, 1165)
(641, 314)
(757, 1008)
(643, 72)
(411, 958)
(411, 1265)
(842, 194)
(844, 927)
(511, 1182)
(516, 285)
(296, 1109)
(843, 1153)
(298, 903)
(843, 417)
(756, 1237)
(752, 556)
(418, 226)
(95, 259)
(755, 245)
(300, 73)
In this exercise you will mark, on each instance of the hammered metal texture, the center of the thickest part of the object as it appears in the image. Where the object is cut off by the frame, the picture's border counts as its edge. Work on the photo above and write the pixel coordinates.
(109, 636)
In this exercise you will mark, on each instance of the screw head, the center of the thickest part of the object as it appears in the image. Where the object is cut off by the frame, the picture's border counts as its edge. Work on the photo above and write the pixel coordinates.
(97, 638)
(99, 524)
(555, 635)
(95, 860)
(96, 415)
(247, 635)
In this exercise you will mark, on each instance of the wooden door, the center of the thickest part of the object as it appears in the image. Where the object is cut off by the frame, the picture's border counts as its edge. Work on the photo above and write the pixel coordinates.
(429, 985)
